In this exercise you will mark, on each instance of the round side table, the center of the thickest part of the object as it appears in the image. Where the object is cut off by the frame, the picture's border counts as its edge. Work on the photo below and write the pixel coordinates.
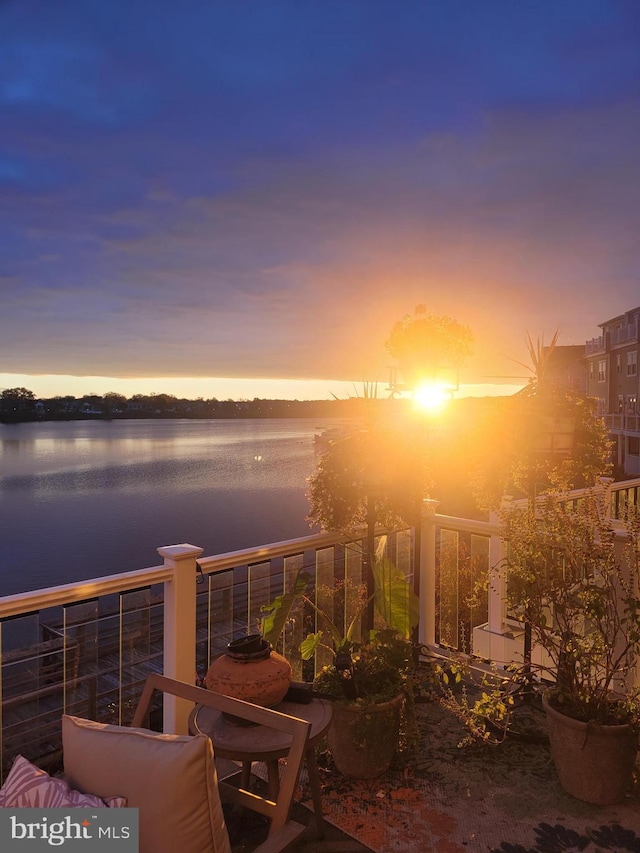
(262, 743)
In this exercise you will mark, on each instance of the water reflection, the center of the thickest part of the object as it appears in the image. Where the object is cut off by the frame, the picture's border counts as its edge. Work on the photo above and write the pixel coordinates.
(80, 499)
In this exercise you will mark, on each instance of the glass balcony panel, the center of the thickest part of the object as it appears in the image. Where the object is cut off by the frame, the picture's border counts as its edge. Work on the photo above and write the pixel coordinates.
(107, 655)
(354, 580)
(220, 602)
(293, 632)
(404, 553)
(240, 602)
(478, 594)
(203, 626)
(259, 594)
(140, 649)
(448, 598)
(326, 601)
(31, 685)
(80, 630)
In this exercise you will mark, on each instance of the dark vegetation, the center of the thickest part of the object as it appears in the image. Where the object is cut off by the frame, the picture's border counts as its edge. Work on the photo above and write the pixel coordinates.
(20, 405)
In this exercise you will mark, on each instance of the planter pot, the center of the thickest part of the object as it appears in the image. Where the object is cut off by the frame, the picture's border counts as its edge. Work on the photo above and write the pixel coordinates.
(594, 762)
(363, 738)
(250, 670)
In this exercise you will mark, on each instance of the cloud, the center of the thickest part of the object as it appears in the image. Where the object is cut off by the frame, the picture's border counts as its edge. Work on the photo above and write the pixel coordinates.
(207, 194)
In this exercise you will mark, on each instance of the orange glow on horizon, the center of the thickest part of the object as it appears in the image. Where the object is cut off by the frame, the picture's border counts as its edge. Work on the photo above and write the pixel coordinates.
(51, 385)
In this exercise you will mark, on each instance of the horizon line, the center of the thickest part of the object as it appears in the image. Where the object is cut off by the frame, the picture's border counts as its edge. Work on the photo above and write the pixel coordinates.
(239, 388)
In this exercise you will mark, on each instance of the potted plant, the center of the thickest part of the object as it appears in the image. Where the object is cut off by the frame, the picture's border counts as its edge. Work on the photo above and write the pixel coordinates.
(366, 679)
(574, 574)
(372, 478)
(426, 344)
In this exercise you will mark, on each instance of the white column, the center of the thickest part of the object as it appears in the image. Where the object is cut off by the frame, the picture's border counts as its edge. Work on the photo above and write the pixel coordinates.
(427, 628)
(179, 630)
(604, 484)
(493, 640)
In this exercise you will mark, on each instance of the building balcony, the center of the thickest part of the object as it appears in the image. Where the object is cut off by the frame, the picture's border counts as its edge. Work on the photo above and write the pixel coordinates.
(612, 338)
(621, 424)
(594, 346)
(628, 334)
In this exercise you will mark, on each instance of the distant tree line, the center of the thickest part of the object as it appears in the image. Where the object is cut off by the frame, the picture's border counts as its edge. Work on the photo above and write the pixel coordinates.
(18, 405)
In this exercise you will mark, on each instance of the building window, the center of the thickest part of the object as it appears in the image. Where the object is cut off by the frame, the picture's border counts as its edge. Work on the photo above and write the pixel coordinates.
(632, 363)
(632, 404)
(602, 371)
(591, 370)
(633, 447)
(618, 363)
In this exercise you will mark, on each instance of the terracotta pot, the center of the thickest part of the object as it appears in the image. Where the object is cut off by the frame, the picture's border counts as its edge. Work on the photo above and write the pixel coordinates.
(363, 738)
(594, 762)
(252, 671)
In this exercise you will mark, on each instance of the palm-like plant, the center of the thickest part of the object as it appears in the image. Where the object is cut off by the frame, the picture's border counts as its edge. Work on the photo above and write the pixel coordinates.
(544, 436)
(540, 357)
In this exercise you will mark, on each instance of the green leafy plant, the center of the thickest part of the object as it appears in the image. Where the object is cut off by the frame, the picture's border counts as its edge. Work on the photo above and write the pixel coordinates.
(370, 672)
(373, 475)
(366, 670)
(574, 574)
(487, 703)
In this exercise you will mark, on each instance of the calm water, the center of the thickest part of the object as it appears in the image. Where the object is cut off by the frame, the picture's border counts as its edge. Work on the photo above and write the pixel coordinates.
(87, 498)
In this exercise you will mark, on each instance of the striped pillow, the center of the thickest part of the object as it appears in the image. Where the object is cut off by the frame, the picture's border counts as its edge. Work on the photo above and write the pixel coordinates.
(27, 786)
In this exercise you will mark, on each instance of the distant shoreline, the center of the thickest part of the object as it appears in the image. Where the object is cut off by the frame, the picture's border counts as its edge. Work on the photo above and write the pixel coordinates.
(30, 410)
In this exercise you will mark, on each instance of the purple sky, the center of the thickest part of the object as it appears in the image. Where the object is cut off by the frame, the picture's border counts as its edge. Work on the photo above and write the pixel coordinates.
(260, 189)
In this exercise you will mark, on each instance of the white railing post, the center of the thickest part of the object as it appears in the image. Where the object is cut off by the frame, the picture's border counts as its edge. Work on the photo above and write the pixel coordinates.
(495, 640)
(427, 627)
(604, 487)
(179, 630)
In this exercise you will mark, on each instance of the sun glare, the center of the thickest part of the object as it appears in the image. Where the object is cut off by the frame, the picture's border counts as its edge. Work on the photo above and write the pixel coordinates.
(431, 397)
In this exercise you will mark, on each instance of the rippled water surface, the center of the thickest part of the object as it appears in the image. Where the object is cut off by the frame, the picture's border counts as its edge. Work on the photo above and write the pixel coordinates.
(87, 498)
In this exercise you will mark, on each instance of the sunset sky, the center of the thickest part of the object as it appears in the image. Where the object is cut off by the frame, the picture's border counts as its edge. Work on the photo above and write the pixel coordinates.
(257, 189)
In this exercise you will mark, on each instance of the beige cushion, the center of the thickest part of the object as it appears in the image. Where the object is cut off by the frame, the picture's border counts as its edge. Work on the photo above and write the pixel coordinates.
(171, 779)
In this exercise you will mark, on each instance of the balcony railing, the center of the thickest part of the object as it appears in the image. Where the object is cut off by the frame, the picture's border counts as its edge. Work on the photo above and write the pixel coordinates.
(625, 335)
(614, 338)
(594, 345)
(86, 648)
(620, 423)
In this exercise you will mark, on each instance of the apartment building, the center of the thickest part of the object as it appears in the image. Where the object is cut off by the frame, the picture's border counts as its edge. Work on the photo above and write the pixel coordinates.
(565, 367)
(612, 377)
